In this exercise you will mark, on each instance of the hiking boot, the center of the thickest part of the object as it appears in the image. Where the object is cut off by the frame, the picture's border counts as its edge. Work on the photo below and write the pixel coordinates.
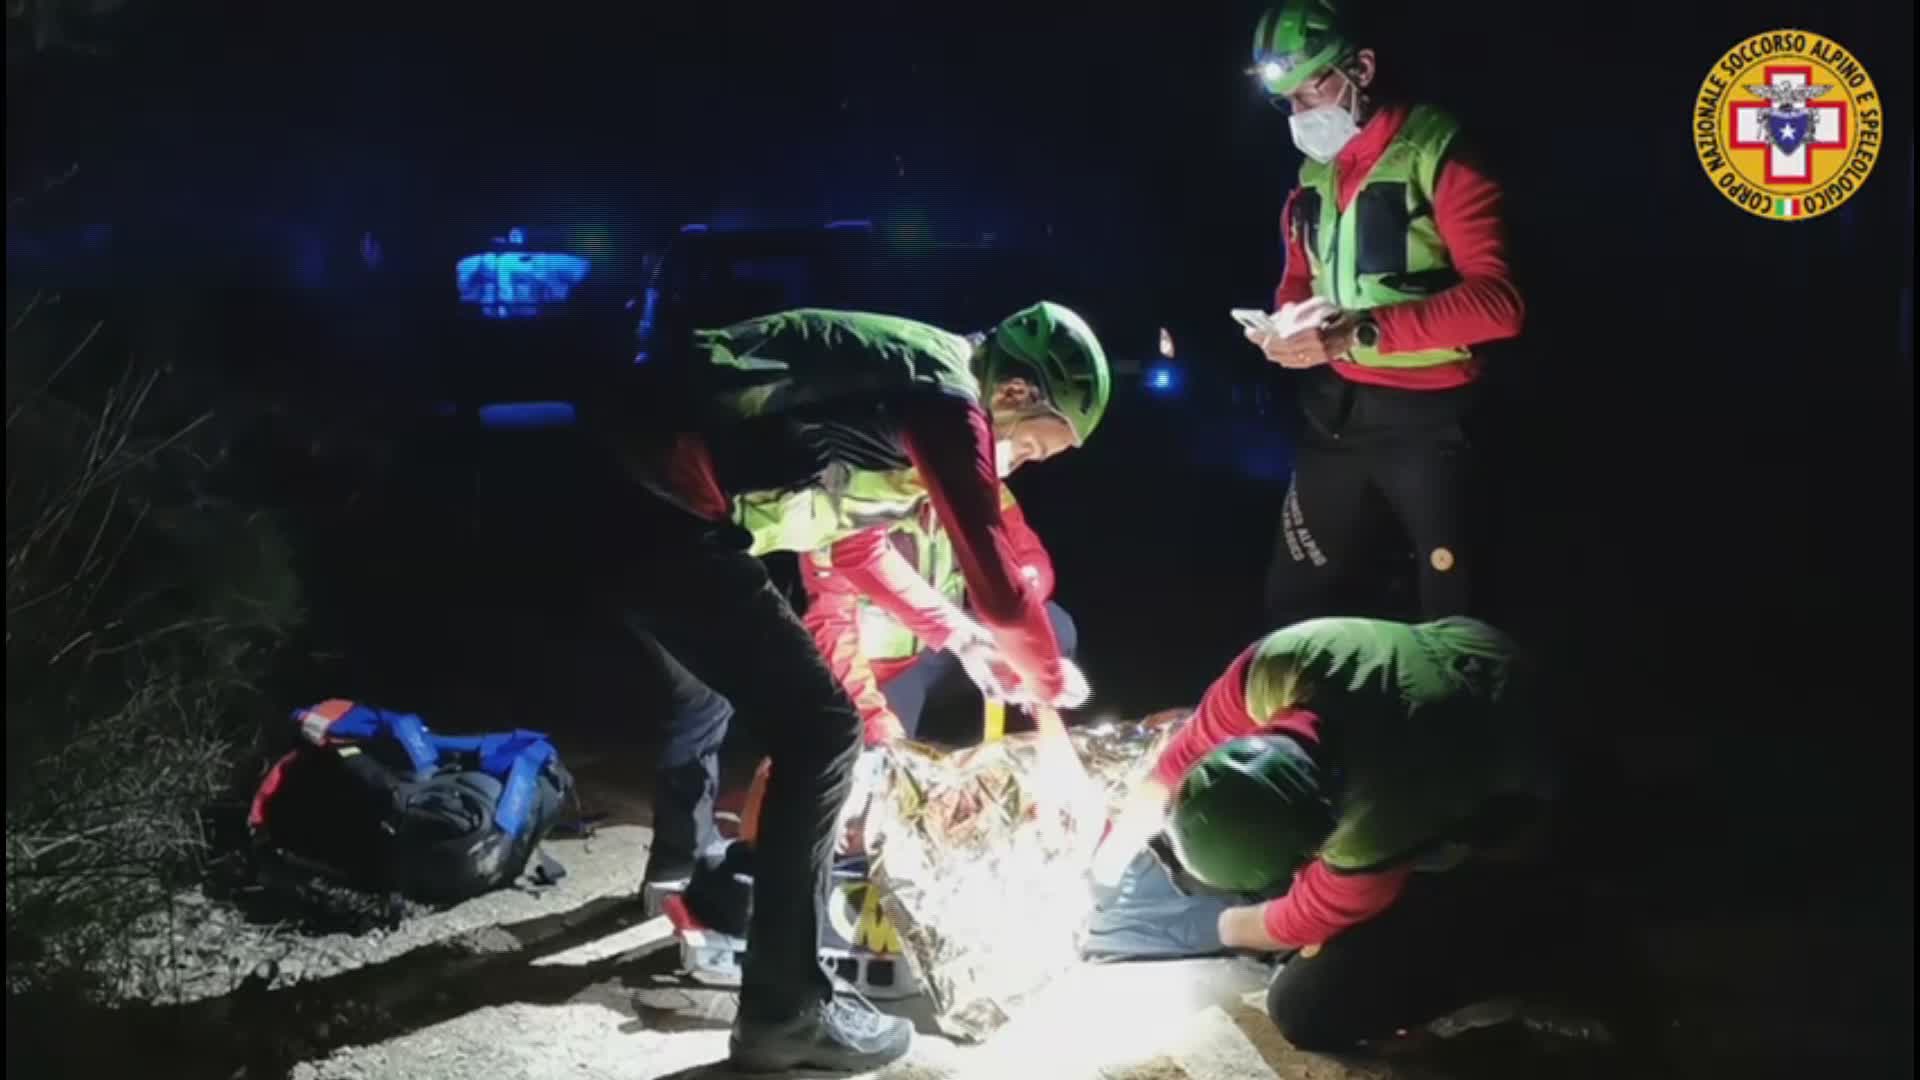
(844, 1034)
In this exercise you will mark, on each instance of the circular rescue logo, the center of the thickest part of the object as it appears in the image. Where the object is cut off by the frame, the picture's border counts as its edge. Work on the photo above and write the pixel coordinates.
(1787, 125)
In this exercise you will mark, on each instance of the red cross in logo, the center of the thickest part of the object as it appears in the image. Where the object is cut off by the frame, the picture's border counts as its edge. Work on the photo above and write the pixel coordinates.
(1746, 131)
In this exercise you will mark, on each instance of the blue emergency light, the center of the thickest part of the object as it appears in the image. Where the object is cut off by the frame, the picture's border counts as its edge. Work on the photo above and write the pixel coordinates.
(527, 415)
(514, 283)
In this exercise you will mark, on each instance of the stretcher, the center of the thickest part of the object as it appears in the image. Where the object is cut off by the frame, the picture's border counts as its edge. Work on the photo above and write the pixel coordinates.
(858, 943)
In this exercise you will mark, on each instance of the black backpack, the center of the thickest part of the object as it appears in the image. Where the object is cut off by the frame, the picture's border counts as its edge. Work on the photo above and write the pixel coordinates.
(376, 801)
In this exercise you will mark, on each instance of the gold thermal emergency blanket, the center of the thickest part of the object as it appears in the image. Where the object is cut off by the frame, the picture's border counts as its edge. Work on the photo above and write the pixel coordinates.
(980, 857)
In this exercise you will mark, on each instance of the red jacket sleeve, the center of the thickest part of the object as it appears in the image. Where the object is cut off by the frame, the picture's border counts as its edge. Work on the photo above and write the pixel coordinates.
(1296, 282)
(1484, 305)
(686, 470)
(875, 570)
(1322, 903)
(951, 446)
(833, 619)
(1223, 717)
(1036, 566)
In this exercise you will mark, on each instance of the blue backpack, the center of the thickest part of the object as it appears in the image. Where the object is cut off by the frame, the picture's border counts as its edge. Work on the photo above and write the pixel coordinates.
(378, 801)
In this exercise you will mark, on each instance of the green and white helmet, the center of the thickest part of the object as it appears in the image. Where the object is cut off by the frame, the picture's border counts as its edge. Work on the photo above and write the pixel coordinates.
(1060, 350)
(1250, 814)
(1295, 41)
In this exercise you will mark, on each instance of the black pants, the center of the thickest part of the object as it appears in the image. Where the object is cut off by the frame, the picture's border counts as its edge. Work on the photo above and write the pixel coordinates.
(1477, 932)
(721, 623)
(689, 776)
(1375, 471)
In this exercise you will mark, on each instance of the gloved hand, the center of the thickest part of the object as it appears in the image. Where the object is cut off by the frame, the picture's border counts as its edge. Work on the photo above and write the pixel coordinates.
(1303, 335)
(1073, 694)
(1302, 315)
(974, 646)
(1076, 689)
(980, 657)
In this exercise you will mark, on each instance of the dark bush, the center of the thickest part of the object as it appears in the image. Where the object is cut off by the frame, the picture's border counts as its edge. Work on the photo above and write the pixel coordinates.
(142, 609)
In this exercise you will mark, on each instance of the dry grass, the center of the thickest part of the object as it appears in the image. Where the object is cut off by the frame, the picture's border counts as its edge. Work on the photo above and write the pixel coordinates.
(140, 610)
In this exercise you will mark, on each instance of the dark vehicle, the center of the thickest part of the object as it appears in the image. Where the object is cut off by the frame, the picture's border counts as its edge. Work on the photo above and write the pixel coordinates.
(711, 278)
(538, 320)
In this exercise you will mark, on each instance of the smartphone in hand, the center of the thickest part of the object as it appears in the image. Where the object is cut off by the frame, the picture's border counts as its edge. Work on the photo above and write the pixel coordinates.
(1253, 319)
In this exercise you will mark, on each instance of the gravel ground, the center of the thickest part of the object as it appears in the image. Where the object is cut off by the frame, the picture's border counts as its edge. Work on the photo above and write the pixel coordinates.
(613, 1009)
(217, 947)
(1162, 1020)
(568, 982)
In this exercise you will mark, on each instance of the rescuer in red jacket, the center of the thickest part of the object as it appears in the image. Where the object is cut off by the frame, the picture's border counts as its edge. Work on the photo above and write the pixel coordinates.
(887, 609)
(1396, 275)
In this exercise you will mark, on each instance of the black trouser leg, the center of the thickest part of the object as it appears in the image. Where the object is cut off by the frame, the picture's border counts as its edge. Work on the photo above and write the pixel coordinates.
(1428, 489)
(715, 609)
(1451, 940)
(906, 692)
(689, 775)
(1331, 508)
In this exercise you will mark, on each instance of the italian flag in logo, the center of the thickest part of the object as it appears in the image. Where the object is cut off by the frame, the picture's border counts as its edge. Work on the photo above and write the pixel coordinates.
(1788, 208)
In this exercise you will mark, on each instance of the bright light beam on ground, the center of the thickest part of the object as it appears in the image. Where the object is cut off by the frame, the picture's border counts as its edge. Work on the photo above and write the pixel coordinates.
(654, 934)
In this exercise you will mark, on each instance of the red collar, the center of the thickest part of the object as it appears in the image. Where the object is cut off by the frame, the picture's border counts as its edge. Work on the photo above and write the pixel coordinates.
(1365, 149)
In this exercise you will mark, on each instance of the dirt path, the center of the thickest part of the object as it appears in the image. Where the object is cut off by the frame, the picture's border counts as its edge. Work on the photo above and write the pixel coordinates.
(1164, 1021)
(571, 982)
(217, 948)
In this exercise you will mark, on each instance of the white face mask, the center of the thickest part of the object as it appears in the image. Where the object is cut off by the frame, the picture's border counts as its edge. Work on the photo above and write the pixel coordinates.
(1003, 457)
(1322, 131)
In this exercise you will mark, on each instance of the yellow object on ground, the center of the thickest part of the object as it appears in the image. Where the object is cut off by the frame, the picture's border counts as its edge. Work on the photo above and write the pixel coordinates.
(995, 721)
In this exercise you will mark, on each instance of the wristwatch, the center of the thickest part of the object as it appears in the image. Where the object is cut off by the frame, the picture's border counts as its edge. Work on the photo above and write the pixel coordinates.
(1366, 333)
